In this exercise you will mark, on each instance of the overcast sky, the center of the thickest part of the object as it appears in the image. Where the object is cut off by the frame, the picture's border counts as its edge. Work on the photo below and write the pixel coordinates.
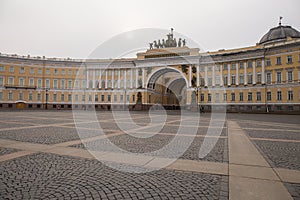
(74, 28)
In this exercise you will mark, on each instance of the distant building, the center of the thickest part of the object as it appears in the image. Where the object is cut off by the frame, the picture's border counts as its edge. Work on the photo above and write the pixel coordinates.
(260, 78)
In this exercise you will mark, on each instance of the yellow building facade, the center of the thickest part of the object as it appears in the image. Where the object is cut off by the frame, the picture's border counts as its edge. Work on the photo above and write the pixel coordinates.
(261, 78)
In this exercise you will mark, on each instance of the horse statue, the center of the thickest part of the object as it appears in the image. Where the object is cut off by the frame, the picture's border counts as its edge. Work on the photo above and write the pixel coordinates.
(151, 45)
(155, 44)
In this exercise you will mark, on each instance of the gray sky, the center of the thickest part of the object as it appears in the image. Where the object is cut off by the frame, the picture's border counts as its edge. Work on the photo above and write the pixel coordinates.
(74, 28)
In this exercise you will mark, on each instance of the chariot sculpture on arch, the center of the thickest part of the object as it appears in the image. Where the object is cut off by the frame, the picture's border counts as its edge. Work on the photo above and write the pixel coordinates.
(169, 42)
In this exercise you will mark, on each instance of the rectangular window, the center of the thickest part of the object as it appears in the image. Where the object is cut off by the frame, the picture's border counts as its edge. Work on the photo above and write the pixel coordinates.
(289, 59)
(121, 98)
(63, 72)
(21, 81)
(54, 97)
(242, 81)
(250, 78)
(90, 97)
(70, 72)
(241, 65)
(11, 69)
(38, 97)
(209, 98)
(62, 84)
(40, 71)
(225, 96)
(30, 97)
(96, 98)
(269, 96)
(31, 71)
(83, 84)
(62, 97)
(10, 96)
(47, 71)
(258, 96)
(115, 98)
(249, 96)
(290, 76)
(258, 78)
(102, 98)
(55, 83)
(2, 69)
(269, 78)
(109, 98)
(133, 98)
(225, 67)
(1, 81)
(233, 79)
(83, 97)
(278, 77)
(22, 70)
(278, 61)
(290, 95)
(250, 64)
(69, 84)
(268, 62)
(55, 71)
(11, 80)
(47, 83)
(279, 96)
(225, 79)
(202, 97)
(1, 96)
(76, 97)
(69, 97)
(233, 66)
(241, 96)
(258, 63)
(232, 96)
(39, 83)
(31, 82)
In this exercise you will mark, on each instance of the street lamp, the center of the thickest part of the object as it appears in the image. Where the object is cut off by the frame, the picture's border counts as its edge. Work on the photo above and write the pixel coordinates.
(196, 90)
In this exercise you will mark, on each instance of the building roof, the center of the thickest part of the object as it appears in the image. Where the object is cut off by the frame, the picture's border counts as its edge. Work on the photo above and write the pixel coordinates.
(279, 33)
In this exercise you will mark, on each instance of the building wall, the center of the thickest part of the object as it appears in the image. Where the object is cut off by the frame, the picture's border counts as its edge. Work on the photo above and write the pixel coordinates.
(255, 73)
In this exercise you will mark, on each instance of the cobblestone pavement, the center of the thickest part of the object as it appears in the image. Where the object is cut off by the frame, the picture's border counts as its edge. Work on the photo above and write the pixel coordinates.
(4, 151)
(34, 175)
(45, 176)
(281, 154)
(294, 190)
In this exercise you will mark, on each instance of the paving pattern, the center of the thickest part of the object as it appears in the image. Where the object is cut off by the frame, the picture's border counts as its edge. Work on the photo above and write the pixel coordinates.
(43, 157)
(52, 176)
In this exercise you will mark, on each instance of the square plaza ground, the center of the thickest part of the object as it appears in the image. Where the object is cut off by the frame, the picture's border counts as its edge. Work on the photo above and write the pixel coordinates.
(42, 156)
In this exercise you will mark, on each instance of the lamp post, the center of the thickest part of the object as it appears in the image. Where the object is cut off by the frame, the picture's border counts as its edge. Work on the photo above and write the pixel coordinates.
(47, 95)
(197, 89)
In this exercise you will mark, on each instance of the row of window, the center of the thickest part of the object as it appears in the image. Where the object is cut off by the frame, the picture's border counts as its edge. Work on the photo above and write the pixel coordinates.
(69, 97)
(39, 71)
(290, 96)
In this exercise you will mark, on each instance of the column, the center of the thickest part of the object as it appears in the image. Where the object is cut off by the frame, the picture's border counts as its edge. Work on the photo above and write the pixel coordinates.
(100, 78)
(87, 78)
(254, 72)
(213, 76)
(245, 73)
(136, 78)
(131, 78)
(125, 78)
(263, 71)
(106, 79)
(237, 74)
(205, 76)
(221, 76)
(229, 75)
(198, 75)
(143, 78)
(94, 78)
(190, 76)
(119, 77)
(113, 79)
